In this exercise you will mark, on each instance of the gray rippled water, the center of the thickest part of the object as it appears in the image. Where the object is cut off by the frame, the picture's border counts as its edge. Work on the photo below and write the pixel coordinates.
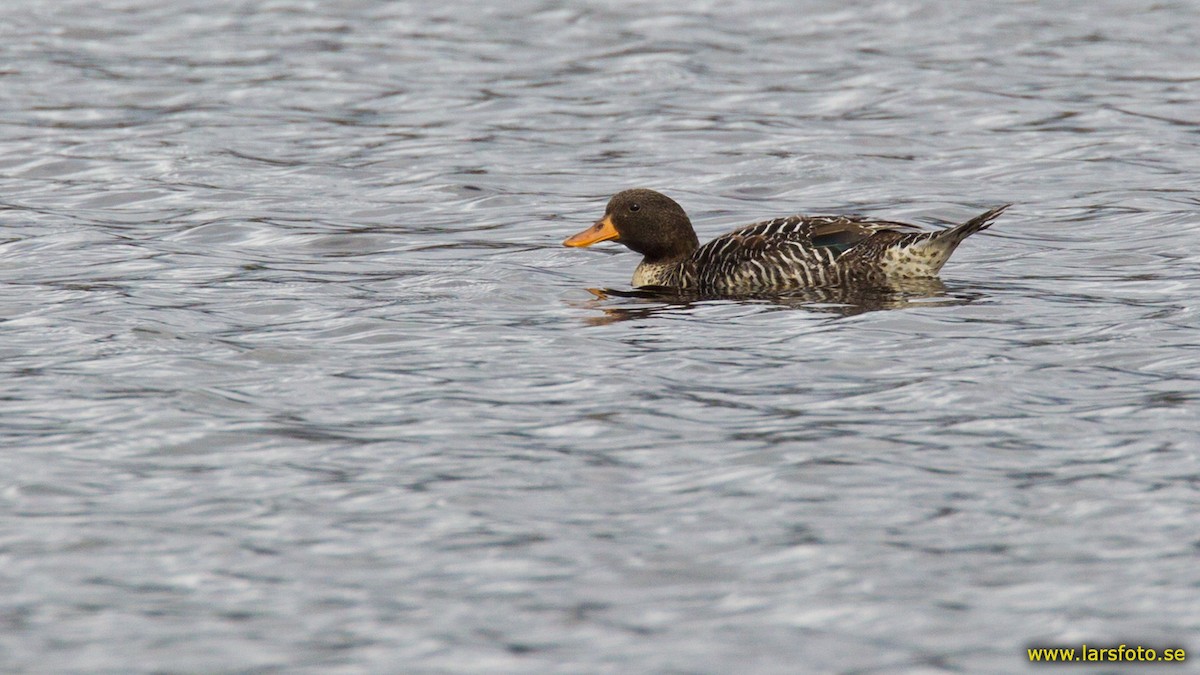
(298, 377)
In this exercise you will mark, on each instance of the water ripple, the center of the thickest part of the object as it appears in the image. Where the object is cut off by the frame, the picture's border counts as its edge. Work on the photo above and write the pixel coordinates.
(300, 378)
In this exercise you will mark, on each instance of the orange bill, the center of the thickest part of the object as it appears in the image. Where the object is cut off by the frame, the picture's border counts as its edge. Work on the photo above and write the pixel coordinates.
(601, 231)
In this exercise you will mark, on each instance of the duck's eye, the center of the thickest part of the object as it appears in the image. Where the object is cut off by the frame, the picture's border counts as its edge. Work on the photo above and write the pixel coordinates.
(634, 207)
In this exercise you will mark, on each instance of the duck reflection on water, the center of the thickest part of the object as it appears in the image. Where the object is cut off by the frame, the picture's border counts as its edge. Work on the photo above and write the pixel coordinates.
(617, 305)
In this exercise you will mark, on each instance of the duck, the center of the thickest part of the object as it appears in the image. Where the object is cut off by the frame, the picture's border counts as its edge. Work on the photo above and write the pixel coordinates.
(784, 254)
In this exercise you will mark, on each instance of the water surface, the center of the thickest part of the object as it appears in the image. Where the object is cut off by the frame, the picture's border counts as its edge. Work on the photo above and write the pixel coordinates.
(298, 376)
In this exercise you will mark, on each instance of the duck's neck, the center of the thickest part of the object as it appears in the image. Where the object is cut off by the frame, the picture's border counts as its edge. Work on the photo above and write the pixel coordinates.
(671, 274)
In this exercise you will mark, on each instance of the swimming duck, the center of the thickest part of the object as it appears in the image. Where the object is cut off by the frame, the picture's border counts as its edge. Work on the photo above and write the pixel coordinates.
(773, 255)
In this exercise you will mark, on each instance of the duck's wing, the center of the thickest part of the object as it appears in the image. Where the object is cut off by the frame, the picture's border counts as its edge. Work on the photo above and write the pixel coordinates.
(786, 251)
(837, 232)
(840, 233)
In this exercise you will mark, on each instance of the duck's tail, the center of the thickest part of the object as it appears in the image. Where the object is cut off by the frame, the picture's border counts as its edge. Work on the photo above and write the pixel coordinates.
(952, 237)
(924, 254)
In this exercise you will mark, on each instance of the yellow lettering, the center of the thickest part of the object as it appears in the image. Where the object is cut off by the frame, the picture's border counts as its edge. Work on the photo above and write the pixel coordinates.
(1121, 652)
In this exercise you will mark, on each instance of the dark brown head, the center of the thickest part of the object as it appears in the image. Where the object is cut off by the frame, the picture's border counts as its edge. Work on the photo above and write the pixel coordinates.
(645, 221)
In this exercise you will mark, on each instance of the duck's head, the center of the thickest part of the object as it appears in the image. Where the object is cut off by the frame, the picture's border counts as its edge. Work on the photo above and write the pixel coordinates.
(645, 221)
